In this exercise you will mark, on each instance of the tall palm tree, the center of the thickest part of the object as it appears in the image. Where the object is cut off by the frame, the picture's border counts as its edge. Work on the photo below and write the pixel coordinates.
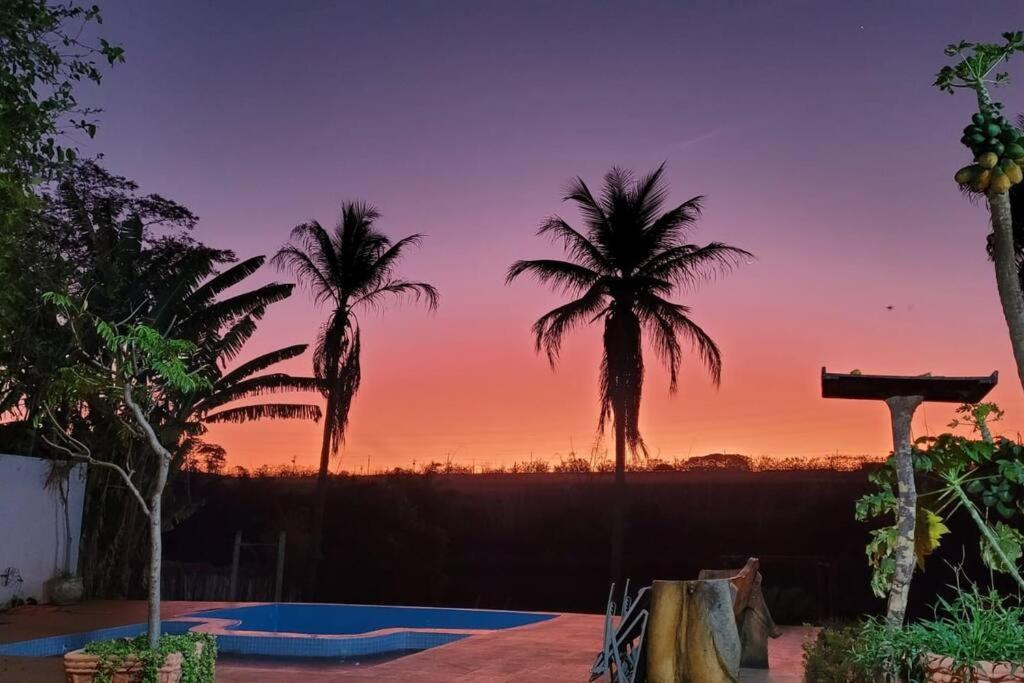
(349, 268)
(629, 258)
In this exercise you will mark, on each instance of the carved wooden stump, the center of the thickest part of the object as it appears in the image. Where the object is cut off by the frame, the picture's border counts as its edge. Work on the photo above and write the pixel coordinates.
(753, 619)
(692, 635)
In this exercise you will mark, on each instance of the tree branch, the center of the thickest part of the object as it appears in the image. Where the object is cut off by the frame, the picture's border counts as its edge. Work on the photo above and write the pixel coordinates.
(140, 417)
(87, 458)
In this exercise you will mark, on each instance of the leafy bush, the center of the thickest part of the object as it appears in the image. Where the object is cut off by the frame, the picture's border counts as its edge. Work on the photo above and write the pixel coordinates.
(974, 627)
(196, 667)
(828, 658)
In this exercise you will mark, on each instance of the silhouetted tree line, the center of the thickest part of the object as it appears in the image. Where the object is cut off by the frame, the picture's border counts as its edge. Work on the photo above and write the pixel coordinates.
(215, 463)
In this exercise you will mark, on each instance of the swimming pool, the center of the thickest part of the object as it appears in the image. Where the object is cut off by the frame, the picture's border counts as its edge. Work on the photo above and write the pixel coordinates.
(309, 630)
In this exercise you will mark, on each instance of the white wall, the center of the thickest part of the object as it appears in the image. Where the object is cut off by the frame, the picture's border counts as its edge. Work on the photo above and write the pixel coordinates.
(32, 525)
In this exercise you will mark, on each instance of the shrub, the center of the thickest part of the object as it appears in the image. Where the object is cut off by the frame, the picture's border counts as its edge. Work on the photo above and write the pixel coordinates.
(195, 667)
(828, 658)
(974, 627)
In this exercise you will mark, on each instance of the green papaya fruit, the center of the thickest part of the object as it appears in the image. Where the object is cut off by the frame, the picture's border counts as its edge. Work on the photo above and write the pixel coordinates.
(1000, 181)
(1014, 172)
(1014, 151)
(978, 118)
(993, 129)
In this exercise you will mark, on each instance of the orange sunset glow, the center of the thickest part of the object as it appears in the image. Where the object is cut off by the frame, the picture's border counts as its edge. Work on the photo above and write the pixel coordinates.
(865, 258)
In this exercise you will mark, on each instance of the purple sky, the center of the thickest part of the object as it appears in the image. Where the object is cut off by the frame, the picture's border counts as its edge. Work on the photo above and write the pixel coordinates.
(811, 126)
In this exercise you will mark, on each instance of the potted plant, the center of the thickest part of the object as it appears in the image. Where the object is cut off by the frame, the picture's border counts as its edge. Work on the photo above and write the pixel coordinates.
(65, 587)
(977, 637)
(132, 368)
(190, 658)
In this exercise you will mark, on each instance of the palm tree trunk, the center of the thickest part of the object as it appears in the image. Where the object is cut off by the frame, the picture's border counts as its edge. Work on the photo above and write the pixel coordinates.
(618, 500)
(320, 501)
(1007, 277)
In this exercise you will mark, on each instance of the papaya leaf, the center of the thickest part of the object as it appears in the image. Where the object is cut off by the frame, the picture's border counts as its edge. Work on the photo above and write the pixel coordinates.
(880, 551)
(1010, 541)
(928, 533)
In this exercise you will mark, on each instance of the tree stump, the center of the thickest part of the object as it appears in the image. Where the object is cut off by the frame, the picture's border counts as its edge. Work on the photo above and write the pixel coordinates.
(753, 619)
(692, 635)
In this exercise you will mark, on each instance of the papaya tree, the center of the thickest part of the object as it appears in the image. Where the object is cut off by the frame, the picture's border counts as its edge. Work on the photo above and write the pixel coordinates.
(998, 149)
(134, 369)
(984, 477)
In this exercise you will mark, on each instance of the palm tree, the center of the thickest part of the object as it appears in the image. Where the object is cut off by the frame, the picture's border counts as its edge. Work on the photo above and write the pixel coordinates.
(622, 268)
(349, 269)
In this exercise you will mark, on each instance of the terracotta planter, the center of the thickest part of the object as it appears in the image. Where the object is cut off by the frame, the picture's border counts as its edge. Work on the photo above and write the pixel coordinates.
(80, 667)
(940, 669)
(65, 590)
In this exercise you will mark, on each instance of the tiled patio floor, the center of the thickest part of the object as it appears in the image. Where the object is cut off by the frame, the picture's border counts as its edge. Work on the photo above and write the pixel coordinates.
(561, 649)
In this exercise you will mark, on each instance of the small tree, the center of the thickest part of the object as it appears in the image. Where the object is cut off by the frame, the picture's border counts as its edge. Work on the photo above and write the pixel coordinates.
(135, 369)
(998, 149)
(984, 477)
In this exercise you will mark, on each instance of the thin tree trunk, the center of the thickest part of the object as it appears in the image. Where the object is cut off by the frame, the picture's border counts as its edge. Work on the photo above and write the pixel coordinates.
(320, 500)
(156, 551)
(902, 411)
(618, 500)
(1007, 277)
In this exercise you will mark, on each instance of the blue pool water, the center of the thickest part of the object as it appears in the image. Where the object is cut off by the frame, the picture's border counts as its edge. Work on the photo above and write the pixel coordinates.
(309, 630)
(324, 619)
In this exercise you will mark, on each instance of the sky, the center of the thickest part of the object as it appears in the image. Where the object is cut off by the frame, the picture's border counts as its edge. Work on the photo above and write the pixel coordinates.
(811, 127)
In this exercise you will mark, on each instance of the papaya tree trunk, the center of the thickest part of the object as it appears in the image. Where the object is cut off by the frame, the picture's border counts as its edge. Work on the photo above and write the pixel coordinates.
(902, 410)
(1007, 277)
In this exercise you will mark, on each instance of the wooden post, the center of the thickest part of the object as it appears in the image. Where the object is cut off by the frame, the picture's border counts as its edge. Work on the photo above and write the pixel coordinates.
(279, 575)
(233, 586)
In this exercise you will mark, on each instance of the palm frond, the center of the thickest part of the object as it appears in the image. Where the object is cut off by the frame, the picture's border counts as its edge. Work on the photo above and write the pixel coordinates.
(669, 228)
(384, 264)
(418, 291)
(648, 195)
(223, 281)
(231, 343)
(575, 244)
(262, 362)
(593, 211)
(345, 387)
(185, 270)
(688, 265)
(251, 303)
(265, 411)
(275, 383)
(308, 273)
(569, 278)
(550, 328)
(673, 319)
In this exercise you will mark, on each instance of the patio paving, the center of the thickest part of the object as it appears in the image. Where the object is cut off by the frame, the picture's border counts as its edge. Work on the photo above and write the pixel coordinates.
(561, 649)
